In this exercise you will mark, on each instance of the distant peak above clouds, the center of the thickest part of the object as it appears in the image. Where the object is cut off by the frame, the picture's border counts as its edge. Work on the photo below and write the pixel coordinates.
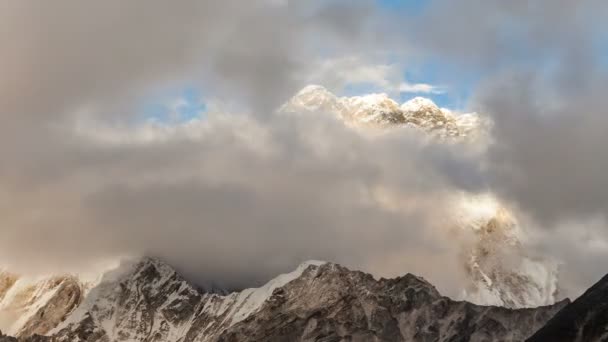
(418, 103)
(378, 110)
(492, 279)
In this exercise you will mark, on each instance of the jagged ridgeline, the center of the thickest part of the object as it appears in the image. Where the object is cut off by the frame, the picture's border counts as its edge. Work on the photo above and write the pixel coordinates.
(380, 111)
(149, 301)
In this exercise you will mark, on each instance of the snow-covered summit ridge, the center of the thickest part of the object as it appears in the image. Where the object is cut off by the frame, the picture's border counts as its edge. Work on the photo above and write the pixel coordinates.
(378, 110)
(418, 103)
(148, 294)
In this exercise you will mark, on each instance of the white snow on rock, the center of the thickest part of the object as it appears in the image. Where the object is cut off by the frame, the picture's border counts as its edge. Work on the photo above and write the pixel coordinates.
(22, 298)
(500, 271)
(417, 104)
(380, 111)
(117, 304)
(249, 301)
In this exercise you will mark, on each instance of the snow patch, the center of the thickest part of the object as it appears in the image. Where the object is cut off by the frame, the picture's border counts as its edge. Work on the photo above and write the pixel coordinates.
(250, 300)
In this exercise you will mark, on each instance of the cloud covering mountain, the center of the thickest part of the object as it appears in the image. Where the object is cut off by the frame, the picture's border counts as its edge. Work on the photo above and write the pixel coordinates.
(241, 193)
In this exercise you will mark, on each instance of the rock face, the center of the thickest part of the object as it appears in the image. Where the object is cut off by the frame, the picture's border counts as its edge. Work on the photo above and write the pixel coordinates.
(332, 303)
(35, 306)
(584, 320)
(149, 301)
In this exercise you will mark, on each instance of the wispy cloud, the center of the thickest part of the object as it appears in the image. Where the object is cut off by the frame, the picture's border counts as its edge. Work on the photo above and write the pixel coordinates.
(372, 73)
(339, 73)
(420, 88)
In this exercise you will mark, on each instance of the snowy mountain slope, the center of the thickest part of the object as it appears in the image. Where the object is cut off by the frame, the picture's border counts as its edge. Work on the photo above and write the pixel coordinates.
(149, 301)
(499, 270)
(36, 305)
(138, 301)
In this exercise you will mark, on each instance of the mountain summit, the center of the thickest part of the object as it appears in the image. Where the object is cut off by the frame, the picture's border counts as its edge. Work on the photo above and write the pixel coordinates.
(380, 111)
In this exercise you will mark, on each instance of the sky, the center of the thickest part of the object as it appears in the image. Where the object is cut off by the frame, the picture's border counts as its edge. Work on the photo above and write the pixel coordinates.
(151, 128)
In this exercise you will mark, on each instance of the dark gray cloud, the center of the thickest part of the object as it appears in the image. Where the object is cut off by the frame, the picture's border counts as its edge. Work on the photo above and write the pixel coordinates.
(544, 76)
(506, 33)
(549, 145)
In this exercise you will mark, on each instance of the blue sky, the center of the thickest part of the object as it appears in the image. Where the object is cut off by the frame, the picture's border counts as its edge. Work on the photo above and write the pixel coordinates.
(457, 85)
(409, 6)
(174, 105)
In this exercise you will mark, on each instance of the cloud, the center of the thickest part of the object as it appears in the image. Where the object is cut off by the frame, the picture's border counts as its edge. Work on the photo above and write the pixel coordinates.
(234, 200)
(371, 72)
(543, 85)
(547, 105)
(343, 72)
(81, 179)
(231, 198)
(420, 88)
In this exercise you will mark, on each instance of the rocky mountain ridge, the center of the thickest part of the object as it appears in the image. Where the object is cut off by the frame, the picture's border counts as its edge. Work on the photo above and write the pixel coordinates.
(149, 301)
(584, 320)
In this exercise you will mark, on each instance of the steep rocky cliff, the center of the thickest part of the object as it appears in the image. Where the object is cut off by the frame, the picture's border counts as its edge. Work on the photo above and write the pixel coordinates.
(584, 320)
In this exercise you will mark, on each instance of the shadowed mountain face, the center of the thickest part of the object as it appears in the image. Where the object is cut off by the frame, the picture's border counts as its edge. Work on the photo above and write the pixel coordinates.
(149, 301)
(584, 320)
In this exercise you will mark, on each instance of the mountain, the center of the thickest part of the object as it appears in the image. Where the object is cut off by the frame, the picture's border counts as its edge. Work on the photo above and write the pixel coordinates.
(149, 301)
(584, 320)
(380, 111)
(36, 305)
(499, 270)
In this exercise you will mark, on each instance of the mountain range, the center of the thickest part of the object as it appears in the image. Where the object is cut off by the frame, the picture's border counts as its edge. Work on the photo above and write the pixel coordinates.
(147, 300)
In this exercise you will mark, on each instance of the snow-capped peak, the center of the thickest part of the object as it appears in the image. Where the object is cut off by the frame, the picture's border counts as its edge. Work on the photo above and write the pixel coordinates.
(418, 103)
(371, 108)
(374, 102)
(313, 89)
(378, 110)
(312, 98)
